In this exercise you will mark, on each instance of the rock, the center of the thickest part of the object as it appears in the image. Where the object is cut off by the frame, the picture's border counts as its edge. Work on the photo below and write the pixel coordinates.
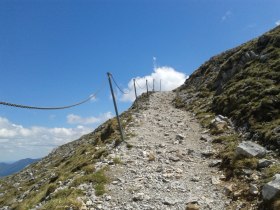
(162, 145)
(195, 179)
(159, 169)
(228, 189)
(108, 198)
(84, 207)
(207, 153)
(169, 202)
(250, 149)
(138, 197)
(151, 156)
(191, 151)
(271, 189)
(215, 180)
(115, 182)
(205, 138)
(179, 137)
(192, 206)
(89, 203)
(99, 207)
(219, 124)
(263, 163)
(253, 189)
(174, 158)
(215, 163)
(144, 154)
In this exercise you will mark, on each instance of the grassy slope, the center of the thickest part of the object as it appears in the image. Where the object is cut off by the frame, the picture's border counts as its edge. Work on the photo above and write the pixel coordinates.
(72, 163)
(243, 84)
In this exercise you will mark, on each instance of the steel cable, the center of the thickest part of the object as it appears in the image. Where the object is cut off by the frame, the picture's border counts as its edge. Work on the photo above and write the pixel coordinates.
(143, 88)
(52, 108)
(118, 85)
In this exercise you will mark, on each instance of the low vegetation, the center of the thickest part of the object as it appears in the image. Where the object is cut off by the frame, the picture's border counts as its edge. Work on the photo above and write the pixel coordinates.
(54, 181)
(243, 85)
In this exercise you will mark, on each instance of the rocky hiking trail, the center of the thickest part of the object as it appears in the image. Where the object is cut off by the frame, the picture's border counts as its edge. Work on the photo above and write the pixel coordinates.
(168, 166)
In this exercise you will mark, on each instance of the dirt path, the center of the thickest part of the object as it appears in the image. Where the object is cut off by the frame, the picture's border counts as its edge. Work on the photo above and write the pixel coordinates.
(168, 165)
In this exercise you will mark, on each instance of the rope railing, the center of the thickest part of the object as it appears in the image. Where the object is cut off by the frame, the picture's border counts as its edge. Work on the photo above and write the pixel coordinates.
(110, 76)
(80, 102)
(143, 88)
(53, 108)
(120, 89)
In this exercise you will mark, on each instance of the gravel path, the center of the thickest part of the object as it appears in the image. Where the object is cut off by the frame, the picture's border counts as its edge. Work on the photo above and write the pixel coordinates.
(168, 165)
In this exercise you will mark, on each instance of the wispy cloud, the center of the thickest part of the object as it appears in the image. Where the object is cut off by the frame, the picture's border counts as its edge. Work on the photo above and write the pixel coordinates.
(169, 77)
(227, 15)
(277, 22)
(76, 119)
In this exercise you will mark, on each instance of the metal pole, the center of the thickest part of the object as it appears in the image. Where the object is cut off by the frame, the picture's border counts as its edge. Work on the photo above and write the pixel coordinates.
(147, 87)
(153, 85)
(115, 105)
(135, 93)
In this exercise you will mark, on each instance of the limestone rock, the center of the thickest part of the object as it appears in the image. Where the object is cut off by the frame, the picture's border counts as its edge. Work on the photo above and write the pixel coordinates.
(174, 158)
(215, 163)
(179, 137)
(169, 202)
(215, 180)
(192, 206)
(253, 189)
(263, 163)
(271, 189)
(250, 149)
(138, 197)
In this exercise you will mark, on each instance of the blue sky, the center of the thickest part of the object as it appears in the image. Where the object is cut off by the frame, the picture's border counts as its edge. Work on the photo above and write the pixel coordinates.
(58, 52)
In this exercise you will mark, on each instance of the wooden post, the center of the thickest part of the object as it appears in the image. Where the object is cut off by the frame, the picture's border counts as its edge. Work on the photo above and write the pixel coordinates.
(147, 87)
(136, 98)
(115, 105)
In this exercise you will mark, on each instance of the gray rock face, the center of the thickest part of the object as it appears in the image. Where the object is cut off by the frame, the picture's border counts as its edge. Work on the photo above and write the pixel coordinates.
(250, 149)
(271, 189)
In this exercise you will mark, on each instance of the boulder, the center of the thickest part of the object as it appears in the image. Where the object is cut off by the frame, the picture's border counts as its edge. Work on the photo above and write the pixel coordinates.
(250, 149)
(271, 189)
(263, 163)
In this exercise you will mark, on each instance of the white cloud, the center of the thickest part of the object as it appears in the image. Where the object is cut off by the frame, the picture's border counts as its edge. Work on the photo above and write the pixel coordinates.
(17, 141)
(169, 77)
(227, 15)
(277, 22)
(76, 119)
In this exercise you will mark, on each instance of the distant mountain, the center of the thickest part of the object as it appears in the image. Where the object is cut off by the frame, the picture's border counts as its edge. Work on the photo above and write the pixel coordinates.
(11, 168)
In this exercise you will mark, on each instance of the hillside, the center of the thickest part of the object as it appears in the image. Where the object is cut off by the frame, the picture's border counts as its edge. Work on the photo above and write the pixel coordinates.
(242, 87)
(11, 168)
(244, 84)
(54, 180)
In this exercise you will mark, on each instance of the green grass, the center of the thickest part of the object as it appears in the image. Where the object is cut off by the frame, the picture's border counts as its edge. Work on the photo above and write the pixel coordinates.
(99, 179)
